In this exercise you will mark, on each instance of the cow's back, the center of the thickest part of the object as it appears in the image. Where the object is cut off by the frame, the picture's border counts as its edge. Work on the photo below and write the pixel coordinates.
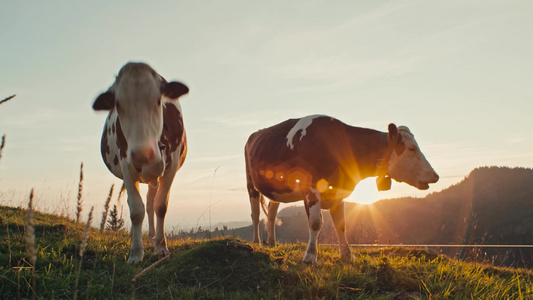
(283, 161)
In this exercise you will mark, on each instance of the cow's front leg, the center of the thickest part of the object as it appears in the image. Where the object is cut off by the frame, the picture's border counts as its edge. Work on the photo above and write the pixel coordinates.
(160, 208)
(150, 196)
(136, 206)
(314, 218)
(337, 216)
(271, 223)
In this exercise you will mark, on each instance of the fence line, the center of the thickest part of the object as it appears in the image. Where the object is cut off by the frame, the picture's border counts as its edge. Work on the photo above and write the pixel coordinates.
(432, 246)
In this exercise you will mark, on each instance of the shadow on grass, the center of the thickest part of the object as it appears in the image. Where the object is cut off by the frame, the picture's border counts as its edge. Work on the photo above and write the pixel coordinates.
(213, 269)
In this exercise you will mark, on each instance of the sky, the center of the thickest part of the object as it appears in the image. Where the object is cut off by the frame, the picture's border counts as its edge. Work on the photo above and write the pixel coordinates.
(459, 74)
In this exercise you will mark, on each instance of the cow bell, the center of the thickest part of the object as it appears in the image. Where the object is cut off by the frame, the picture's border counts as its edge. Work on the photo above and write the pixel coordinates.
(383, 183)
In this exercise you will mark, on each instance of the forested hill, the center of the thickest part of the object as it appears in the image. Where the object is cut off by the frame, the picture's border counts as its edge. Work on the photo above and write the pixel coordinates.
(492, 205)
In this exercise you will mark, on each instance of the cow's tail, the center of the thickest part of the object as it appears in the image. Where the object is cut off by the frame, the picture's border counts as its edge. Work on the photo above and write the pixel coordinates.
(263, 205)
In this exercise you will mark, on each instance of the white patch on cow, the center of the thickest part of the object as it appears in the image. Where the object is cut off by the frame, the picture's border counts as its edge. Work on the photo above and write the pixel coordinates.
(315, 224)
(302, 125)
(112, 144)
(314, 214)
(405, 129)
(175, 103)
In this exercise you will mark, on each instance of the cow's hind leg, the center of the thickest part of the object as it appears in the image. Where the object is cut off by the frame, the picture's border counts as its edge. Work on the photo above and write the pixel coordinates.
(271, 222)
(337, 216)
(160, 208)
(314, 218)
(255, 198)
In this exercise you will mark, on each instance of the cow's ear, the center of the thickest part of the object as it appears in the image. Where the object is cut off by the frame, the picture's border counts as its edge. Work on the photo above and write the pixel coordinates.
(393, 132)
(396, 138)
(399, 146)
(106, 101)
(174, 89)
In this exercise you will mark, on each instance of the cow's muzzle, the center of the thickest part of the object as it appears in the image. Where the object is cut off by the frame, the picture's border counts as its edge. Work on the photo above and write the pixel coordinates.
(424, 185)
(142, 155)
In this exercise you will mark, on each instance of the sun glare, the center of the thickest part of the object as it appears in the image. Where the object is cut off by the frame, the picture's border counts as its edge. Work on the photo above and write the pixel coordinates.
(366, 192)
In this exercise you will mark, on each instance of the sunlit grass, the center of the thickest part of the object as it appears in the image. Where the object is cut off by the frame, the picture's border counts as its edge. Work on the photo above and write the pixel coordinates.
(226, 267)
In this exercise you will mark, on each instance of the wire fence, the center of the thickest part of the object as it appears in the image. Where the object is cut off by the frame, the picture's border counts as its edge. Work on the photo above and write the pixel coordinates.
(431, 246)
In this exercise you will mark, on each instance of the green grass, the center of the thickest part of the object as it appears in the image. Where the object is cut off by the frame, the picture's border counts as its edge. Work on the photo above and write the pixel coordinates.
(231, 268)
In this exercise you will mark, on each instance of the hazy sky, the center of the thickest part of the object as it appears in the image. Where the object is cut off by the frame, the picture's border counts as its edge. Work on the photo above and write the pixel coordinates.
(459, 74)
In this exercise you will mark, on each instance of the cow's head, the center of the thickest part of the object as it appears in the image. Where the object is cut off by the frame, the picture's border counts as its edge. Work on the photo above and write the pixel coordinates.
(407, 163)
(137, 96)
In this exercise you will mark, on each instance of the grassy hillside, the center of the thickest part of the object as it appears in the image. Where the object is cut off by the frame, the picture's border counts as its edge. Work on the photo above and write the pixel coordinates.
(492, 205)
(231, 268)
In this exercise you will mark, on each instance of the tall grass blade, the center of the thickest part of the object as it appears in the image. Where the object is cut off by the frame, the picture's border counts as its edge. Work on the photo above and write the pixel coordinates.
(8, 245)
(30, 243)
(83, 246)
(106, 209)
(519, 288)
(79, 207)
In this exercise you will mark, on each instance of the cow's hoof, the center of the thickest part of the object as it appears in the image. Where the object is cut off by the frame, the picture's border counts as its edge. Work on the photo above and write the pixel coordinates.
(161, 253)
(347, 257)
(136, 255)
(133, 259)
(271, 243)
(309, 258)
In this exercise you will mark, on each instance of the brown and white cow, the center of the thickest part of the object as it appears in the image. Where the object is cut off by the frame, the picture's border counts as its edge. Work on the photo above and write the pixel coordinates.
(320, 160)
(144, 141)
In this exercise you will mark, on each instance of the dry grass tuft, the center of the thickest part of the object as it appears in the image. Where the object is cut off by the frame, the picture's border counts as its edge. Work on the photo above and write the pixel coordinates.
(106, 209)
(79, 207)
(30, 244)
(8, 245)
(30, 233)
(85, 237)
(83, 246)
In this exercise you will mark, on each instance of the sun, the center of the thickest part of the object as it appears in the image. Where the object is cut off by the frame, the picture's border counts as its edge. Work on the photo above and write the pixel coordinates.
(366, 192)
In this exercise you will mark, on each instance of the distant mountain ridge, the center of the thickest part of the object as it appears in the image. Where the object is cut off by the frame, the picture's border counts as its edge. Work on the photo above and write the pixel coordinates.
(492, 205)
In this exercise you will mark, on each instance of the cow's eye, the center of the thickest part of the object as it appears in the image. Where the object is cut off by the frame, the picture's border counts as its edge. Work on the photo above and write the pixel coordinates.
(159, 102)
(412, 149)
